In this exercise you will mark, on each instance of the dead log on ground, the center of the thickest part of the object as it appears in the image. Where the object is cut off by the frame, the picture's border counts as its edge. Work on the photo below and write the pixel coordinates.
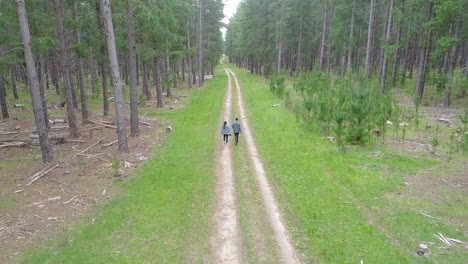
(9, 133)
(12, 144)
(102, 124)
(42, 173)
(83, 151)
(109, 144)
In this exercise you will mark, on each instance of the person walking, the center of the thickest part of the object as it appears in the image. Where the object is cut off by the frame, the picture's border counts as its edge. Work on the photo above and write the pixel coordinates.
(225, 132)
(236, 128)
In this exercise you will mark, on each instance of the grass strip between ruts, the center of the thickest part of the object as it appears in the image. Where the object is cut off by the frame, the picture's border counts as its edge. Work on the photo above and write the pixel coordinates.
(163, 215)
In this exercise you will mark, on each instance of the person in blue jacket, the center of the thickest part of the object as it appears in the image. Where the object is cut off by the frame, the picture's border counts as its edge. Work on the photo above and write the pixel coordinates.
(236, 128)
(225, 132)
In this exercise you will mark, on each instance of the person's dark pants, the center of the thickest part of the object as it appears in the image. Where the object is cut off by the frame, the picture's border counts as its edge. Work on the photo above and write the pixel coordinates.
(226, 138)
(237, 137)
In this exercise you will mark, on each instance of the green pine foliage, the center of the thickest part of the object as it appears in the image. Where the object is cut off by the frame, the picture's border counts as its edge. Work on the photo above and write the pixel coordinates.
(349, 109)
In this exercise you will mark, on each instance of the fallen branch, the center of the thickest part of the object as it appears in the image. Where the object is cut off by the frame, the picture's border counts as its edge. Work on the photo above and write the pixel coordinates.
(109, 144)
(442, 238)
(69, 201)
(18, 105)
(9, 133)
(90, 128)
(426, 215)
(97, 142)
(455, 240)
(12, 144)
(102, 124)
(42, 173)
(144, 123)
(53, 137)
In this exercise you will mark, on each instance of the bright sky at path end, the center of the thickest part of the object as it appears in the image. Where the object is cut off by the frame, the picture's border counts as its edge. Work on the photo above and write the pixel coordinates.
(230, 7)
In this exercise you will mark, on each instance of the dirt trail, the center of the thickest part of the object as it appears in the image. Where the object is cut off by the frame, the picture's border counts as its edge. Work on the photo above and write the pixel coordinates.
(226, 241)
(286, 249)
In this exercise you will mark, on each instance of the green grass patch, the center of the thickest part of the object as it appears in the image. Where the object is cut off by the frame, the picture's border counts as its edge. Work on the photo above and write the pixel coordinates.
(336, 203)
(7, 202)
(163, 215)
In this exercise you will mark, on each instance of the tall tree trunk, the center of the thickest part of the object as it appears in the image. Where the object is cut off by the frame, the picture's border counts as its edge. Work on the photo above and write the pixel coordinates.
(39, 118)
(396, 55)
(3, 95)
(266, 37)
(167, 70)
(280, 40)
(384, 65)
(189, 57)
(64, 65)
(80, 71)
(132, 65)
(54, 71)
(451, 63)
(92, 69)
(343, 60)
(424, 57)
(158, 81)
(102, 51)
(370, 37)
(114, 70)
(323, 46)
(299, 44)
(351, 35)
(464, 86)
(146, 90)
(200, 43)
(13, 82)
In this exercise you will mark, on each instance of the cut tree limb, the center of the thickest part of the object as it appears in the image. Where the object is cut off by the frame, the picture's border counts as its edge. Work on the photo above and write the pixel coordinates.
(102, 124)
(97, 142)
(9, 133)
(12, 144)
(109, 144)
(144, 123)
(42, 173)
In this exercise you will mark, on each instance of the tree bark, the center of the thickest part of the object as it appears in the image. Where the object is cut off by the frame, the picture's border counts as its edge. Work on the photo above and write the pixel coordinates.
(146, 89)
(463, 88)
(39, 118)
(102, 50)
(13, 82)
(132, 65)
(383, 67)
(114, 69)
(200, 43)
(3, 95)
(451, 63)
(351, 36)
(423, 58)
(299, 44)
(280, 40)
(64, 64)
(54, 71)
(370, 37)
(396, 55)
(189, 57)
(80, 71)
(92, 69)
(323, 46)
(158, 81)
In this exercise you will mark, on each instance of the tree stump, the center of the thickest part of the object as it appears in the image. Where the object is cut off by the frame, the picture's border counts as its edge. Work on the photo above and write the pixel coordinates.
(422, 249)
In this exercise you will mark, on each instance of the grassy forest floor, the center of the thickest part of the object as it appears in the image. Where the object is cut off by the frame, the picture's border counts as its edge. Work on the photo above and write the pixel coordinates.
(373, 203)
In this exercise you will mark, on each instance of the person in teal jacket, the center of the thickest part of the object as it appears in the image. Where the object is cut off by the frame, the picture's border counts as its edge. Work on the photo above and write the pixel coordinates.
(236, 128)
(225, 132)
